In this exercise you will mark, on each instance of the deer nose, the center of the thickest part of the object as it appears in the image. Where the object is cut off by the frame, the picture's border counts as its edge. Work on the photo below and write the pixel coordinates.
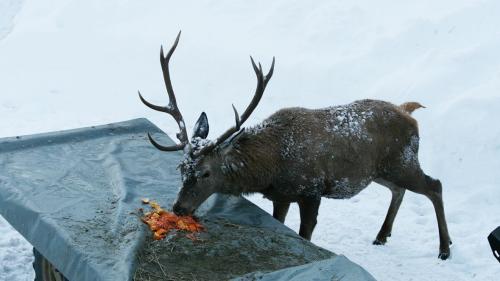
(180, 211)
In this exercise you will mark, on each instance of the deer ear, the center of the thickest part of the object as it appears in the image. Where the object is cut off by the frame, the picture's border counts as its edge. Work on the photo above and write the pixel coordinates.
(201, 127)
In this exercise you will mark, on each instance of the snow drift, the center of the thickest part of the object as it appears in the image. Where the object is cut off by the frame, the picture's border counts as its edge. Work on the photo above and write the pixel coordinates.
(66, 64)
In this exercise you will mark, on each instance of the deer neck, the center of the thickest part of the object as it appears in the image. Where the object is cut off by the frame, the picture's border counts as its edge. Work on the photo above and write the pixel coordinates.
(249, 162)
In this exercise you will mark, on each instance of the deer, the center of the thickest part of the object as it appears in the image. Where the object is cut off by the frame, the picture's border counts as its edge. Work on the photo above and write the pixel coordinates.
(300, 155)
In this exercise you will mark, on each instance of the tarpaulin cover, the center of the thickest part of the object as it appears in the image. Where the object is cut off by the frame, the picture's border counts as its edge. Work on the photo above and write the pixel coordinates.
(338, 268)
(74, 195)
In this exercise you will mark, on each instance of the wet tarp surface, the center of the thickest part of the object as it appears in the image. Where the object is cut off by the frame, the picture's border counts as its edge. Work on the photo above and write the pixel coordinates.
(75, 194)
(338, 268)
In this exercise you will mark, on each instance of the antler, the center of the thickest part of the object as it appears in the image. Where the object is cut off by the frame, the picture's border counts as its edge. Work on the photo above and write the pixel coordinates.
(239, 120)
(171, 108)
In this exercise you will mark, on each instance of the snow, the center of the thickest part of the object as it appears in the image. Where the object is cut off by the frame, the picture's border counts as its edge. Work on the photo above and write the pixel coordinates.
(69, 63)
(16, 255)
(348, 122)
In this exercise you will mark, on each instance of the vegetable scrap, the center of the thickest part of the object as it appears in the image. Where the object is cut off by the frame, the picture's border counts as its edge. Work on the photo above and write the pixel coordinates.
(161, 222)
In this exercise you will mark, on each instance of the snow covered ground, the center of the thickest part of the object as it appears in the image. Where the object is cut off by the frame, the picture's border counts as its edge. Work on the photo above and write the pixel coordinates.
(69, 63)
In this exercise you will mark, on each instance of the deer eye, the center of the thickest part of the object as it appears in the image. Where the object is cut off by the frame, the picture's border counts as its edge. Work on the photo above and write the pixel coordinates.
(206, 174)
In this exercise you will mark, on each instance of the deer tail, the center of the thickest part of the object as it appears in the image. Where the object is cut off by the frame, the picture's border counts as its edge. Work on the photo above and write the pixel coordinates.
(411, 106)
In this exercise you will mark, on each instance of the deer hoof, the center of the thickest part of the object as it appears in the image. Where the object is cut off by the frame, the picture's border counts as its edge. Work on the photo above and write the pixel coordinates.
(444, 255)
(378, 242)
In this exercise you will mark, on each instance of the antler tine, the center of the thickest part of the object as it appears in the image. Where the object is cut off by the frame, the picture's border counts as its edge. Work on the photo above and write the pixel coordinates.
(226, 134)
(172, 105)
(270, 73)
(259, 91)
(171, 108)
(176, 147)
(236, 117)
(153, 106)
(166, 72)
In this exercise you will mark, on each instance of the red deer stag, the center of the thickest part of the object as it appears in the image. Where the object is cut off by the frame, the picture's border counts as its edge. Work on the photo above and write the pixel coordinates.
(301, 155)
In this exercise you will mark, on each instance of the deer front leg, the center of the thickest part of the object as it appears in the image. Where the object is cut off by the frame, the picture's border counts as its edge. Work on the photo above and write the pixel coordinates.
(280, 209)
(308, 216)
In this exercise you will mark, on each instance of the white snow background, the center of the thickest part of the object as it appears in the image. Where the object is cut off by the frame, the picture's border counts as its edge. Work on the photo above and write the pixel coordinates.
(68, 63)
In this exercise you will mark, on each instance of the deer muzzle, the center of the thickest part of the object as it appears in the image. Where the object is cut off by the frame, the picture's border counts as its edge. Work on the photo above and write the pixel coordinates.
(181, 211)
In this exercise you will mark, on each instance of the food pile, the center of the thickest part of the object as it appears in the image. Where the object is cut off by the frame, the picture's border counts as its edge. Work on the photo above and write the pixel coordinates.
(161, 222)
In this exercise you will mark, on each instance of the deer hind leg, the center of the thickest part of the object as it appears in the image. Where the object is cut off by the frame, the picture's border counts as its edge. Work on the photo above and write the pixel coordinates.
(397, 197)
(416, 181)
(308, 216)
(280, 210)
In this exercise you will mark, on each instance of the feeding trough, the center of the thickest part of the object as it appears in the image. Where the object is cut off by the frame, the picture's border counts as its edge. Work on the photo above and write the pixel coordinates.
(75, 196)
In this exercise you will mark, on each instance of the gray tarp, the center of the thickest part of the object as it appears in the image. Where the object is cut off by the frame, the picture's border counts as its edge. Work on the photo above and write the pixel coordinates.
(338, 268)
(72, 194)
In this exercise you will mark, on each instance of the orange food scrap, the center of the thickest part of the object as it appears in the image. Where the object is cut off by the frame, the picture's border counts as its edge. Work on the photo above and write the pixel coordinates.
(160, 222)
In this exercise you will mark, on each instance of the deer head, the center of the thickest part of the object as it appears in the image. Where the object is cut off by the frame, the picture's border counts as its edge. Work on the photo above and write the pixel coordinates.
(201, 169)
